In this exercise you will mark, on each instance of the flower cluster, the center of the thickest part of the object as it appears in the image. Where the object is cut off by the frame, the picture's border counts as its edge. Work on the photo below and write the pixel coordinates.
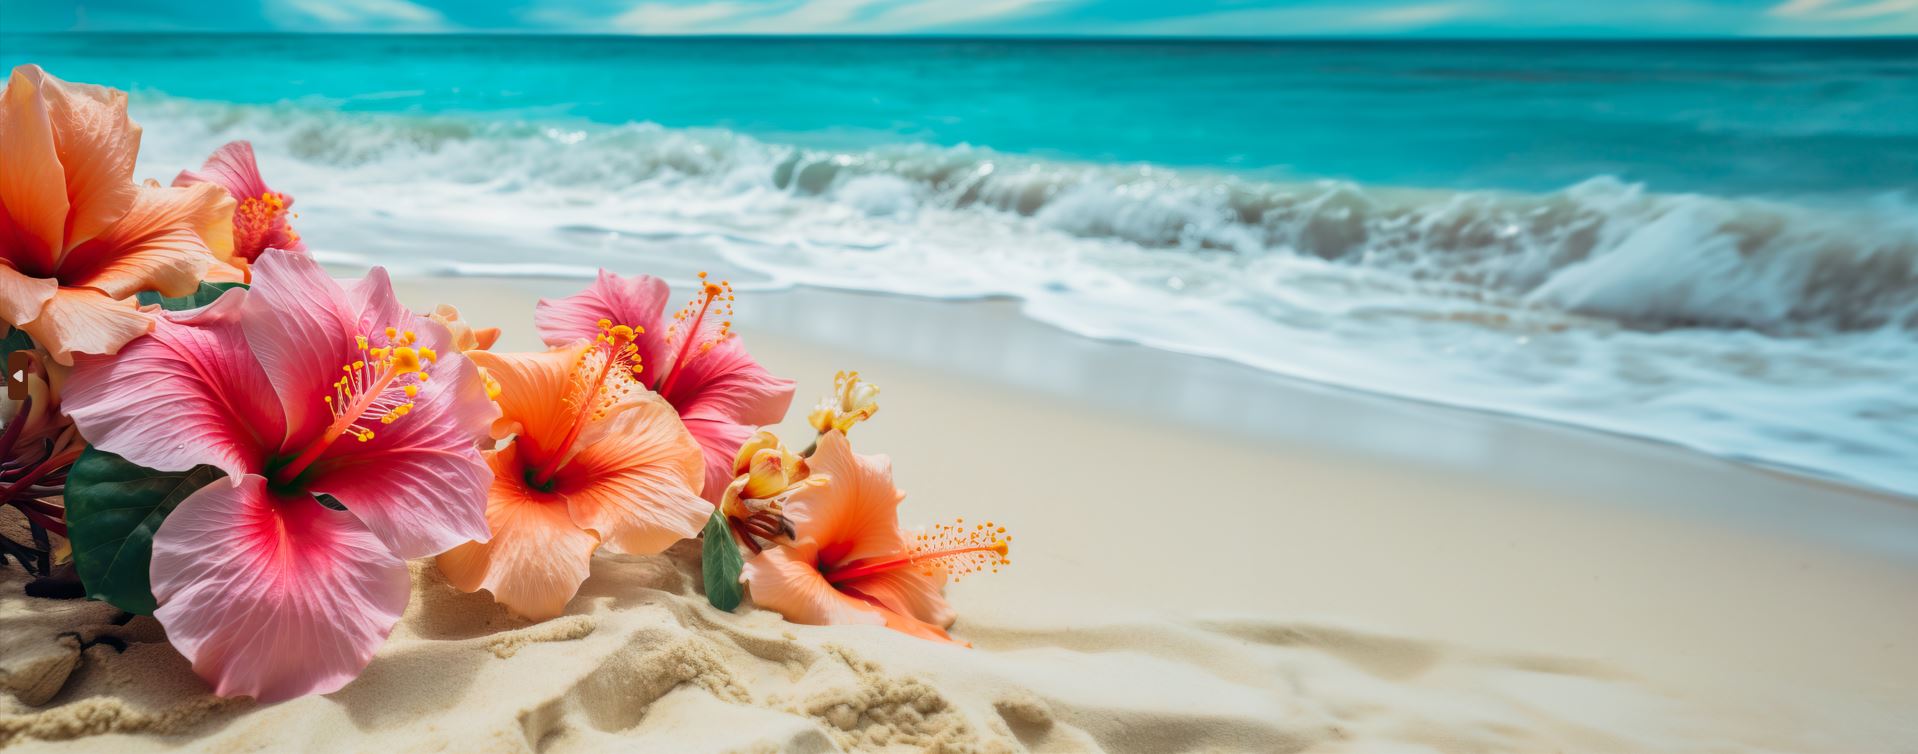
(249, 450)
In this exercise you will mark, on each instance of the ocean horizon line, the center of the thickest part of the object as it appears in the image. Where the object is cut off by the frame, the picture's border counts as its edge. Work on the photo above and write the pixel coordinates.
(1303, 39)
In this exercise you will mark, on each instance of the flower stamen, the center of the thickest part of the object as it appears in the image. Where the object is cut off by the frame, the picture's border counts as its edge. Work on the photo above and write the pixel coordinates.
(713, 299)
(375, 385)
(605, 378)
(951, 548)
(255, 219)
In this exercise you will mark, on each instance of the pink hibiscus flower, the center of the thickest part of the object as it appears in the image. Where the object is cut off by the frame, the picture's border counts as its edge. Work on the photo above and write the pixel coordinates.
(260, 214)
(294, 388)
(695, 362)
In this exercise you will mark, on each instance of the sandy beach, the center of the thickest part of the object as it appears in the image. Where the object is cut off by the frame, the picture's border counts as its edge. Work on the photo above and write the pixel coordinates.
(1206, 558)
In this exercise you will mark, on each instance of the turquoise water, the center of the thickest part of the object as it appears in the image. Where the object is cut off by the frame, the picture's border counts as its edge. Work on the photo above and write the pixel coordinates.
(1713, 244)
(1720, 117)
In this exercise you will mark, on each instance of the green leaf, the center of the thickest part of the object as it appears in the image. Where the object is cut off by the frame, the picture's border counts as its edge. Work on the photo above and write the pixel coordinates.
(114, 507)
(16, 340)
(720, 563)
(207, 294)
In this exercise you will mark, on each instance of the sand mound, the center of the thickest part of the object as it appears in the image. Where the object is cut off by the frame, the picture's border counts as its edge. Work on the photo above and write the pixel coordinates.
(641, 663)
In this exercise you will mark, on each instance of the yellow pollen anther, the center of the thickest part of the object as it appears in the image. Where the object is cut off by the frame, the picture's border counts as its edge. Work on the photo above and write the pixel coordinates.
(406, 360)
(371, 388)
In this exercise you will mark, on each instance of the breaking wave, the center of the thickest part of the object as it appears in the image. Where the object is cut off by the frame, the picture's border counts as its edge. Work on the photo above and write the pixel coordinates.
(1602, 248)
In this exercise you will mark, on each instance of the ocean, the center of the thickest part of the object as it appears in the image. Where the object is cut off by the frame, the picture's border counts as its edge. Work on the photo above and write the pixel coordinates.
(1712, 244)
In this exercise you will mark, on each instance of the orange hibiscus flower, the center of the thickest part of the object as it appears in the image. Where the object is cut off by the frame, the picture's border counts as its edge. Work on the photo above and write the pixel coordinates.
(77, 236)
(596, 459)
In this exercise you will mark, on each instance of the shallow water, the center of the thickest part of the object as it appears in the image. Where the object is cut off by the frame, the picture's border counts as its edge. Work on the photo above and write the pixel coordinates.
(1712, 244)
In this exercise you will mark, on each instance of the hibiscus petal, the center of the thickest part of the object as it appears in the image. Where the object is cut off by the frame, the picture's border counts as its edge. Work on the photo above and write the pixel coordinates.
(783, 579)
(273, 597)
(421, 501)
(634, 486)
(188, 395)
(164, 243)
(420, 483)
(97, 144)
(299, 325)
(855, 516)
(83, 320)
(911, 626)
(636, 302)
(231, 167)
(22, 296)
(226, 272)
(377, 307)
(72, 136)
(532, 389)
(908, 591)
(725, 383)
(29, 166)
(536, 558)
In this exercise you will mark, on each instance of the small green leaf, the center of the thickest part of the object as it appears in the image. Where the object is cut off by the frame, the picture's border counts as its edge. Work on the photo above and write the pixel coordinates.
(720, 563)
(114, 507)
(207, 294)
(16, 340)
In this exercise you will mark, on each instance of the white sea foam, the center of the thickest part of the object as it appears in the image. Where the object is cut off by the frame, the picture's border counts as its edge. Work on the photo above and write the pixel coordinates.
(1766, 330)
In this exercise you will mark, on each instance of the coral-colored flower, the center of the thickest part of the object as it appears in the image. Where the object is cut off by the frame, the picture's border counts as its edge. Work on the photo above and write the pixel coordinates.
(77, 237)
(851, 563)
(259, 215)
(694, 361)
(294, 388)
(596, 459)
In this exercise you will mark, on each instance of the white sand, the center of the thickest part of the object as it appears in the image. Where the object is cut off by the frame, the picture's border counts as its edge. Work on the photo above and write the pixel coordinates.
(1205, 559)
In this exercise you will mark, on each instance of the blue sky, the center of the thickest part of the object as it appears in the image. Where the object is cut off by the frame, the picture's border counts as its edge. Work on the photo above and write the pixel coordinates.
(1411, 18)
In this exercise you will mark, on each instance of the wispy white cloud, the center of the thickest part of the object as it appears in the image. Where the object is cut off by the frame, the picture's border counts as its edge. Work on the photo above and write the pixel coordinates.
(365, 14)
